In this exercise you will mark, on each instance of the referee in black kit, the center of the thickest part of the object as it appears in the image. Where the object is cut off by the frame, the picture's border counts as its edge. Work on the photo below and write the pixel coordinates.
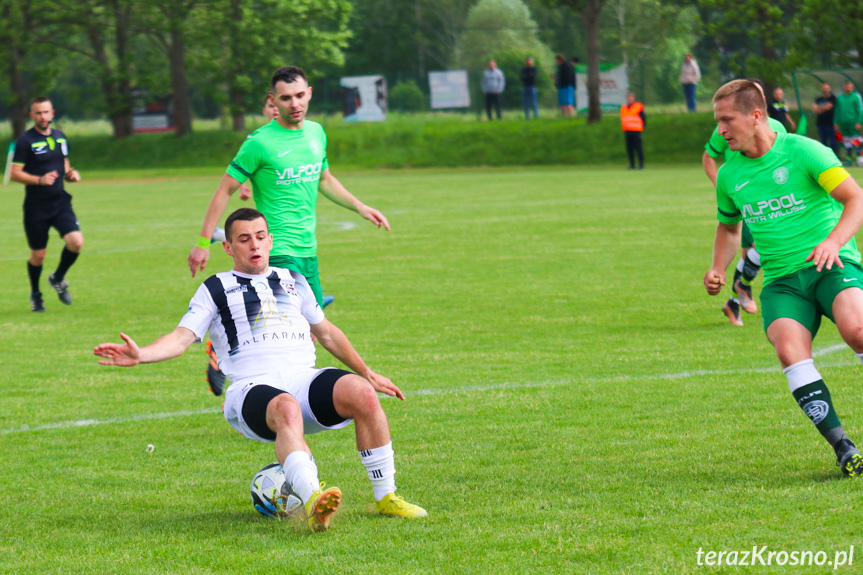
(41, 163)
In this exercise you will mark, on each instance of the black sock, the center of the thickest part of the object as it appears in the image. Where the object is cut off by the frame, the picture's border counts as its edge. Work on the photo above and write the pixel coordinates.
(35, 272)
(815, 401)
(750, 270)
(67, 258)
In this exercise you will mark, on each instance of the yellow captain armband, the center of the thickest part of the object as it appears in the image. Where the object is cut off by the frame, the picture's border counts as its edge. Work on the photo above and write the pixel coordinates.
(831, 178)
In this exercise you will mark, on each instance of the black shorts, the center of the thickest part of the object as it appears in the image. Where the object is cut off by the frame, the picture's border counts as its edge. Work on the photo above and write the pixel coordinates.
(320, 402)
(40, 218)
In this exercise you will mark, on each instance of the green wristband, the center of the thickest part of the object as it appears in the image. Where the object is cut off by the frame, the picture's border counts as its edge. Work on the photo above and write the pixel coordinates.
(203, 243)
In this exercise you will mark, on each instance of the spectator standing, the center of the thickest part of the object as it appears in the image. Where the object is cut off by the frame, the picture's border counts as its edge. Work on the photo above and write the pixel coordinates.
(528, 90)
(824, 108)
(632, 121)
(565, 82)
(848, 116)
(778, 109)
(690, 74)
(493, 83)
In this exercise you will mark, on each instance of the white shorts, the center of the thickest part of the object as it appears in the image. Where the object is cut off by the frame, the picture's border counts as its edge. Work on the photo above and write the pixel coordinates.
(295, 382)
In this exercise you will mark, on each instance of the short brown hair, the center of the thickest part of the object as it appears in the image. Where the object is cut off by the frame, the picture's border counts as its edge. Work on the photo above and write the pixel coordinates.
(244, 215)
(745, 95)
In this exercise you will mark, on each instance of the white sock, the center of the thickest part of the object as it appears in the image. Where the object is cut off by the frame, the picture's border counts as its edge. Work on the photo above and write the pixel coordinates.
(740, 265)
(302, 473)
(860, 356)
(380, 463)
(801, 373)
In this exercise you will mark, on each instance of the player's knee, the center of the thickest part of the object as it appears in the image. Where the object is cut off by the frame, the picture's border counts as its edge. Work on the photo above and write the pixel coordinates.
(367, 398)
(37, 258)
(356, 396)
(285, 412)
(75, 242)
(854, 338)
(790, 353)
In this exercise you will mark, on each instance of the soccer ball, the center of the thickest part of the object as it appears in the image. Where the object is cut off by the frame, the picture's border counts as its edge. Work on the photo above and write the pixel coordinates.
(272, 495)
(218, 236)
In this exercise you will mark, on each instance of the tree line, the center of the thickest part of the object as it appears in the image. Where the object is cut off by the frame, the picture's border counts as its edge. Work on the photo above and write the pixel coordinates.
(215, 56)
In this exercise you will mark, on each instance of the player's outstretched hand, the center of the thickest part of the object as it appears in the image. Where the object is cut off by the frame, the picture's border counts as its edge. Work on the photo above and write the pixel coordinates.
(825, 254)
(198, 258)
(122, 354)
(384, 385)
(374, 217)
(714, 281)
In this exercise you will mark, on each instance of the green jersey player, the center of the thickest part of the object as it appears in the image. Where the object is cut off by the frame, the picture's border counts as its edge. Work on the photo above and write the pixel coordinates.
(287, 163)
(749, 263)
(803, 209)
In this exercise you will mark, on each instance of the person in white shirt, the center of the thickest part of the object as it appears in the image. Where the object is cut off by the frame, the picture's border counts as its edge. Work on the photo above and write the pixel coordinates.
(690, 74)
(261, 320)
(493, 85)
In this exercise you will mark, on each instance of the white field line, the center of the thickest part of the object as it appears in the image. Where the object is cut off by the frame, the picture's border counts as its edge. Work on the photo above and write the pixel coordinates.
(462, 389)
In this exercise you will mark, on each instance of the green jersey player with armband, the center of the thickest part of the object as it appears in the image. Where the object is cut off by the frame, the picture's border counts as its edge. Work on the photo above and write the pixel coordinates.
(749, 263)
(803, 209)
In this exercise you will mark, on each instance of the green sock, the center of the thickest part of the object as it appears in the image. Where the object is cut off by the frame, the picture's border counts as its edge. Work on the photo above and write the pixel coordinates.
(814, 399)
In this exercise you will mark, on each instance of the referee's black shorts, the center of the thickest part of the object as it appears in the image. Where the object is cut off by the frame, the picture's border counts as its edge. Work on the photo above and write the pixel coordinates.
(39, 218)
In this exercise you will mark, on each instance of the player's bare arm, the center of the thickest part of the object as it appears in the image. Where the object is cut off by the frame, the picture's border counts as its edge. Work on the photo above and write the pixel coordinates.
(850, 195)
(19, 175)
(724, 249)
(710, 168)
(337, 343)
(334, 191)
(198, 257)
(127, 354)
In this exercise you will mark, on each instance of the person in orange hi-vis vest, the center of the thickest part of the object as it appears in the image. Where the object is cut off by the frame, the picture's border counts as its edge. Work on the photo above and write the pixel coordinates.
(633, 120)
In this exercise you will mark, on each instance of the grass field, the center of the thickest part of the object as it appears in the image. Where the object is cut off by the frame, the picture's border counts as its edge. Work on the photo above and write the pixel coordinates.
(575, 402)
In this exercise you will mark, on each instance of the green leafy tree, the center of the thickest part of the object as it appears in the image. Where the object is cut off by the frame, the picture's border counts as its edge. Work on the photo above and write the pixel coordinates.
(167, 23)
(407, 97)
(101, 31)
(754, 36)
(241, 42)
(404, 40)
(27, 60)
(652, 37)
(828, 33)
(590, 11)
(504, 31)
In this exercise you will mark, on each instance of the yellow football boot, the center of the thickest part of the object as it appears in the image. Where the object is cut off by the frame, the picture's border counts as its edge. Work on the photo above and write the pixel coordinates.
(395, 506)
(321, 506)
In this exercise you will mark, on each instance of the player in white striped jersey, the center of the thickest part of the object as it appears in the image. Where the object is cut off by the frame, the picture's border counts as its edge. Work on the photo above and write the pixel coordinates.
(260, 319)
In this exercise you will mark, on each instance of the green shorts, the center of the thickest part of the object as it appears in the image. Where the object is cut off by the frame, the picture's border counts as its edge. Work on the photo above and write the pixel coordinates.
(746, 239)
(307, 267)
(806, 295)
